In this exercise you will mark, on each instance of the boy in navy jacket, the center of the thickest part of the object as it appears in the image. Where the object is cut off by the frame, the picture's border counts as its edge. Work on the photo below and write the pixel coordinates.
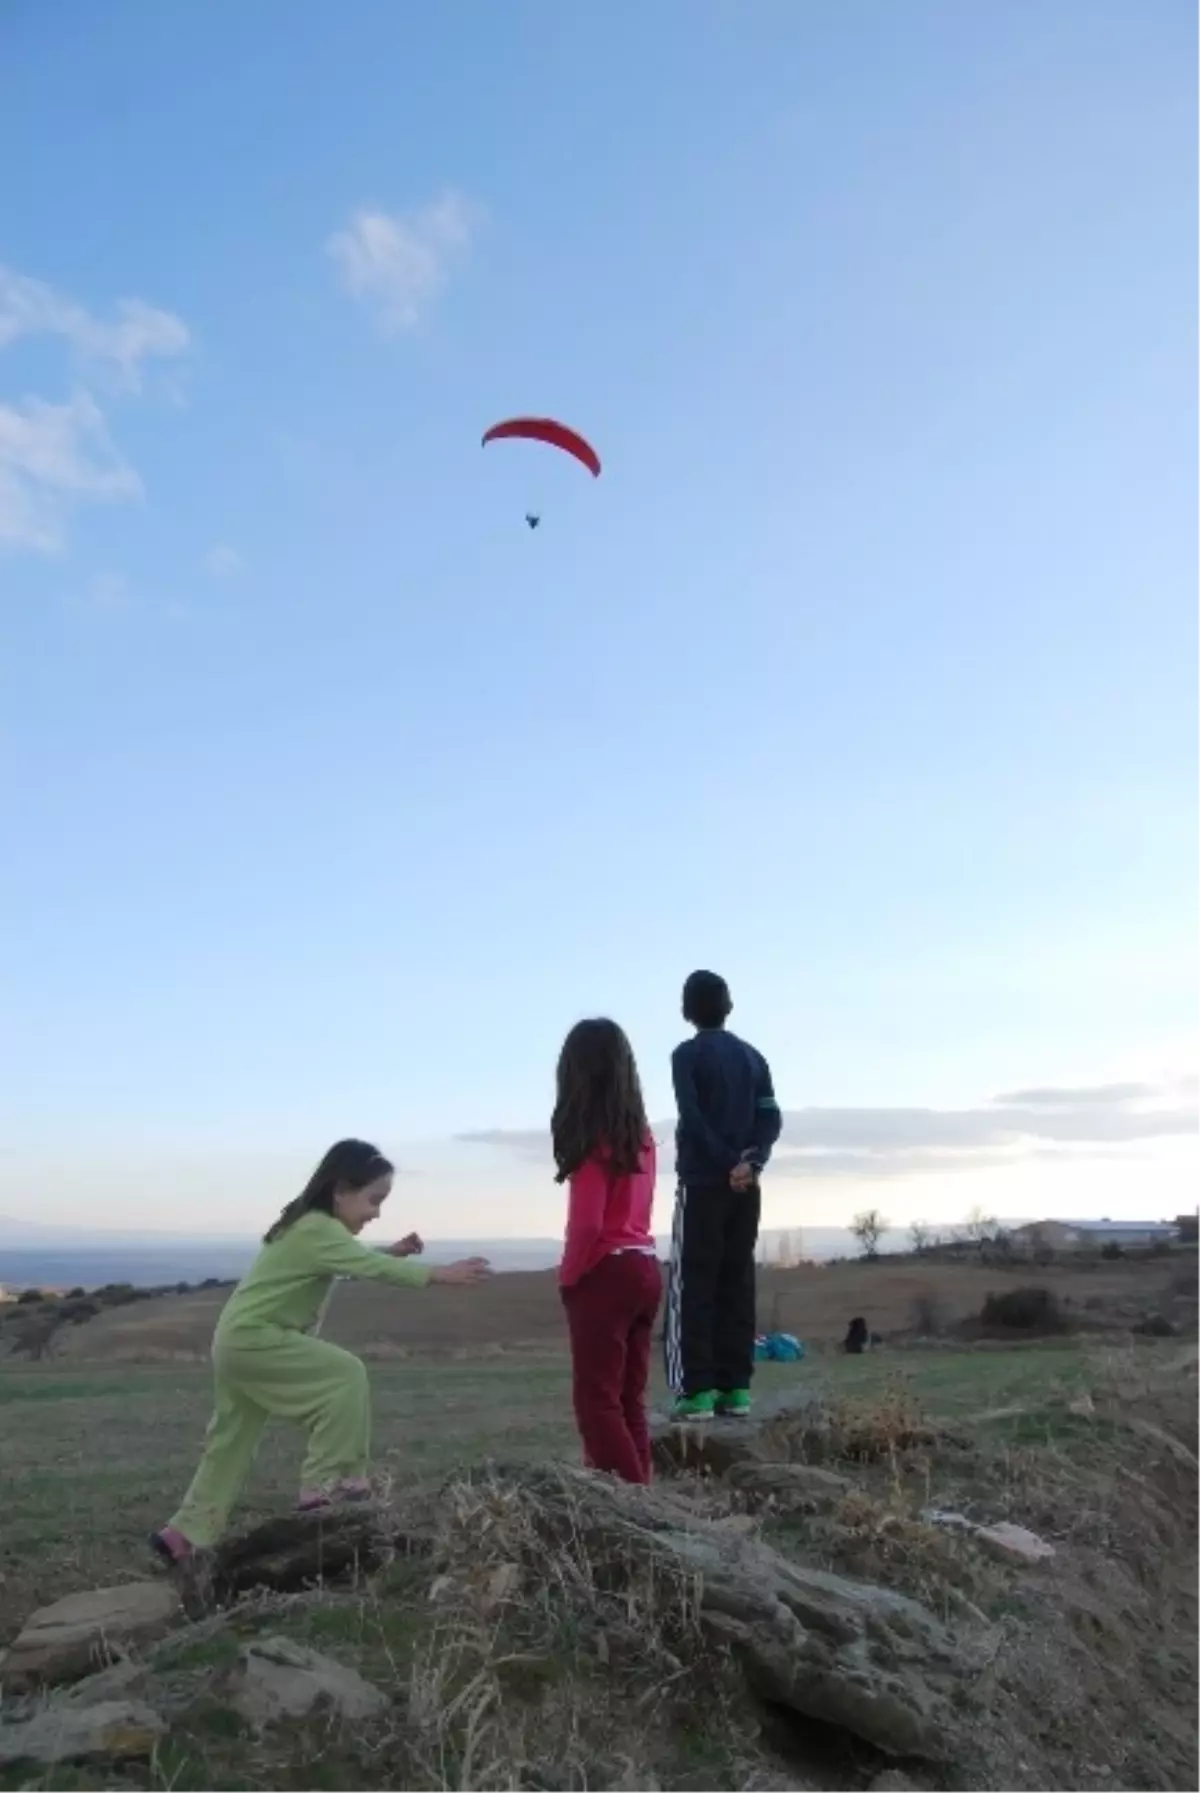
(728, 1122)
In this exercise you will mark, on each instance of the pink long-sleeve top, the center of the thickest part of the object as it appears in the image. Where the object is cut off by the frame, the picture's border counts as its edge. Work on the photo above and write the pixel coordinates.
(607, 1214)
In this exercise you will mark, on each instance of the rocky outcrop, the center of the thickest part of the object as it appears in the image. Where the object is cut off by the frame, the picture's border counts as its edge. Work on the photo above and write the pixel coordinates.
(278, 1679)
(843, 1652)
(110, 1731)
(303, 1550)
(85, 1632)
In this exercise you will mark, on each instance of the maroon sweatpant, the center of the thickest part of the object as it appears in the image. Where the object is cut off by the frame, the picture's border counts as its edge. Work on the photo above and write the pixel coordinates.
(610, 1315)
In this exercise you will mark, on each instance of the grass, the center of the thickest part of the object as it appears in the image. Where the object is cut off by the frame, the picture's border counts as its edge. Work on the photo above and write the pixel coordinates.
(92, 1462)
(94, 1457)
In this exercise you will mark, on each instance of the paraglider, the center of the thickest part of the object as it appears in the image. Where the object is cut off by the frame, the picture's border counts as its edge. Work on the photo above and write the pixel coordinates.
(554, 435)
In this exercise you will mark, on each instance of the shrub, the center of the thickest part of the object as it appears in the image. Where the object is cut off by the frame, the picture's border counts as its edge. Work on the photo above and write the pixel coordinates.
(1156, 1326)
(77, 1311)
(1112, 1249)
(27, 1297)
(1023, 1310)
(116, 1294)
(929, 1315)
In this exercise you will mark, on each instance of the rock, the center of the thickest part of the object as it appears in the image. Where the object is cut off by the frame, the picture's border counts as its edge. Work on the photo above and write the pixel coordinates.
(714, 1446)
(892, 1781)
(845, 1652)
(1014, 1541)
(1155, 1435)
(120, 1681)
(711, 1449)
(789, 1487)
(278, 1679)
(112, 1731)
(1003, 1539)
(303, 1550)
(84, 1632)
(952, 1521)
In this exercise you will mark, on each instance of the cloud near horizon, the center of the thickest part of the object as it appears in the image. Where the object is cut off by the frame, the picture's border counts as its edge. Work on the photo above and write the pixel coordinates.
(895, 1142)
(397, 264)
(54, 455)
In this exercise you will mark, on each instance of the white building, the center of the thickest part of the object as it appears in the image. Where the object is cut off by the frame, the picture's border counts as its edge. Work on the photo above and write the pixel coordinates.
(1093, 1235)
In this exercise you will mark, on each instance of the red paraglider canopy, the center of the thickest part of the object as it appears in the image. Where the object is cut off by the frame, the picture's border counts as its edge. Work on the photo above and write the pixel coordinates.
(545, 429)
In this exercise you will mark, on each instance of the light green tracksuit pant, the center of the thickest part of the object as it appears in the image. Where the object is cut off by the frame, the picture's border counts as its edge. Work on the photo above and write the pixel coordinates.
(276, 1372)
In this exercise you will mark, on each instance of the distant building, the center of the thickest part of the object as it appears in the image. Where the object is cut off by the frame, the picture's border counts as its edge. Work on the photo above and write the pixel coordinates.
(1093, 1235)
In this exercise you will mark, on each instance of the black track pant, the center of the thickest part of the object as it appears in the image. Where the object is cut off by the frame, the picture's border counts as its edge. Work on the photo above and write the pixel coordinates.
(709, 1333)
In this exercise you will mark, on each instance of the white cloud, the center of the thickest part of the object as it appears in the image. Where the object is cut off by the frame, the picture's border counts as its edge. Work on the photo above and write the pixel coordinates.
(223, 562)
(116, 350)
(867, 1144)
(398, 265)
(51, 456)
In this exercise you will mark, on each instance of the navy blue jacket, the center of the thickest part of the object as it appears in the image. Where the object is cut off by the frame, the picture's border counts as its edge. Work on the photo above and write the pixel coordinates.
(727, 1108)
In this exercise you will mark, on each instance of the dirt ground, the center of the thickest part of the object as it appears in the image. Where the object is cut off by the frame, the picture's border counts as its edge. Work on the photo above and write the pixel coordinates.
(522, 1311)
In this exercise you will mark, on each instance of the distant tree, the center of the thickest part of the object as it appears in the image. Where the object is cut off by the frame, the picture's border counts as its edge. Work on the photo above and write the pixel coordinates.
(34, 1336)
(868, 1228)
(28, 1297)
(979, 1227)
(789, 1250)
(920, 1237)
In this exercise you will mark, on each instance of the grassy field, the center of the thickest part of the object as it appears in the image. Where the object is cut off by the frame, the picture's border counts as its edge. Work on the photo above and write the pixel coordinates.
(1092, 1678)
(94, 1457)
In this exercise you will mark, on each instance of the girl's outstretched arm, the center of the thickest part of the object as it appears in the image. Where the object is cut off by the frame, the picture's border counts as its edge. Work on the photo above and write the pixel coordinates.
(323, 1245)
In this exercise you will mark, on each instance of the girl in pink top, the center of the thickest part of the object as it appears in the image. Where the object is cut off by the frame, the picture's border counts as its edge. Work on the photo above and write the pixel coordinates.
(610, 1278)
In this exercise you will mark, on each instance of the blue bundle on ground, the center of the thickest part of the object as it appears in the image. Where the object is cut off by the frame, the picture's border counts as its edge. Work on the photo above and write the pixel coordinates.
(778, 1347)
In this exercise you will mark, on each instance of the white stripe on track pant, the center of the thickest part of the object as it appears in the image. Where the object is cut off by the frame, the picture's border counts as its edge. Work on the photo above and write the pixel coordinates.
(672, 1343)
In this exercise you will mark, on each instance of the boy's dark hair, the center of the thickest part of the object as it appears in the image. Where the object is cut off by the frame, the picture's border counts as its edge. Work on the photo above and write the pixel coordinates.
(350, 1164)
(599, 1106)
(706, 1000)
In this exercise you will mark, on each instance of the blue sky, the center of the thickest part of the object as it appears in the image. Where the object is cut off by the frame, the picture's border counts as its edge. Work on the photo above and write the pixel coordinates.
(865, 673)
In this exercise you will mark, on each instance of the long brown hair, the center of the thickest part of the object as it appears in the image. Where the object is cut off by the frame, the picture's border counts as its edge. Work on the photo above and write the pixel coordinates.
(350, 1164)
(599, 1107)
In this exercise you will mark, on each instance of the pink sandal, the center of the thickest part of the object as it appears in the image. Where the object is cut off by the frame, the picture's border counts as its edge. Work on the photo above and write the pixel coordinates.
(316, 1500)
(171, 1545)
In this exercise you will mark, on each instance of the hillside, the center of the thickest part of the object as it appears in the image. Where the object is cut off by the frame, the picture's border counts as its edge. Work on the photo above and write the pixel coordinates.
(522, 1310)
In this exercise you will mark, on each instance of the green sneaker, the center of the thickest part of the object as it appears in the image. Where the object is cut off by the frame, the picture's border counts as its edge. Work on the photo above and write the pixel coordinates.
(694, 1407)
(733, 1403)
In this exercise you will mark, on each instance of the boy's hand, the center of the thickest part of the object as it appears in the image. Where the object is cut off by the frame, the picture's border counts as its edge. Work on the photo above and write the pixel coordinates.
(411, 1246)
(742, 1177)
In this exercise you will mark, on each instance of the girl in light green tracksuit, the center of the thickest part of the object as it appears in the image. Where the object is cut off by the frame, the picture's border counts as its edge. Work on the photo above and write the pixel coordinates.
(266, 1361)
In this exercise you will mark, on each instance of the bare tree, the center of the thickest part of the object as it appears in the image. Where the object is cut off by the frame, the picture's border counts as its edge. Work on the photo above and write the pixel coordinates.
(868, 1228)
(789, 1249)
(920, 1236)
(979, 1227)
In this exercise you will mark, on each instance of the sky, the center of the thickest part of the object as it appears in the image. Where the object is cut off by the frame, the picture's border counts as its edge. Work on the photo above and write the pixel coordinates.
(865, 673)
